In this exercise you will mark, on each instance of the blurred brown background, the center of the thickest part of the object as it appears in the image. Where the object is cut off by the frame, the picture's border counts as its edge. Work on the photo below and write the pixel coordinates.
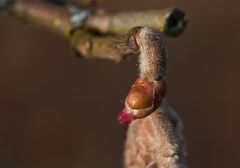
(58, 111)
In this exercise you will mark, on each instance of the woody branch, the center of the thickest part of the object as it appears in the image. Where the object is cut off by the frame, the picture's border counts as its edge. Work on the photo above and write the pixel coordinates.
(95, 33)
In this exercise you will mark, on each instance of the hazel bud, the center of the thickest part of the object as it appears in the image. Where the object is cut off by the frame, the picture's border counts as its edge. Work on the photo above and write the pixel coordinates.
(141, 94)
(144, 98)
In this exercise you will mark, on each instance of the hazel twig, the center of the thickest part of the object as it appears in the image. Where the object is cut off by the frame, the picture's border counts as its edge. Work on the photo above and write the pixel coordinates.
(154, 138)
(93, 34)
(171, 21)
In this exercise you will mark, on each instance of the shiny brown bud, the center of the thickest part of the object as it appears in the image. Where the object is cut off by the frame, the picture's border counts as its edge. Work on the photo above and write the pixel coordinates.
(141, 94)
(145, 97)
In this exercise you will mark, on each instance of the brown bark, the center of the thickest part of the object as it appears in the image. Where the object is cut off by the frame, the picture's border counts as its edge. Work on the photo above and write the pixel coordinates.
(99, 34)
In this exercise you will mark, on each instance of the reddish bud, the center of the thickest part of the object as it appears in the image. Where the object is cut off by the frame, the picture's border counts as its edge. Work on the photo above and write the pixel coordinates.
(144, 98)
(140, 96)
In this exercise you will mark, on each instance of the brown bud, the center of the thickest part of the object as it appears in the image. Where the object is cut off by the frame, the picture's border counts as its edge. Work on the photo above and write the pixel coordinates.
(141, 94)
(145, 97)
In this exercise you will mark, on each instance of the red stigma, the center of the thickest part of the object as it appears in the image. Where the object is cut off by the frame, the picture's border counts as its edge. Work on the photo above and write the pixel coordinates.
(125, 118)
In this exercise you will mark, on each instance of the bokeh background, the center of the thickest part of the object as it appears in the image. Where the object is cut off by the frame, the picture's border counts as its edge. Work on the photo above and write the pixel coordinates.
(57, 110)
